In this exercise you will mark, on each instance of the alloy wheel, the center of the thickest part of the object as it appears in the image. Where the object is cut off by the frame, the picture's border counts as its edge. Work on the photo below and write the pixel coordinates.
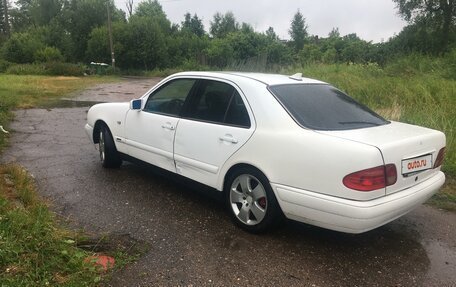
(248, 199)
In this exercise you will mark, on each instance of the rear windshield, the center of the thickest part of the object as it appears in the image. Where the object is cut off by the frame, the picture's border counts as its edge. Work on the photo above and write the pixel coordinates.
(323, 107)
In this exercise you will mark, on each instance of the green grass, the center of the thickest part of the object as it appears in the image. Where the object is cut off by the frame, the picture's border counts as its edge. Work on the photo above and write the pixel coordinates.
(34, 251)
(30, 91)
(446, 198)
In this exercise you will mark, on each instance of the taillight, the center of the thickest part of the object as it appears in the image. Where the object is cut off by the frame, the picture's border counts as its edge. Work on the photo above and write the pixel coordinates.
(372, 178)
(440, 157)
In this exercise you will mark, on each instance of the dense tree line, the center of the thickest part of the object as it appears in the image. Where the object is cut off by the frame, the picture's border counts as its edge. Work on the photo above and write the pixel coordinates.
(76, 31)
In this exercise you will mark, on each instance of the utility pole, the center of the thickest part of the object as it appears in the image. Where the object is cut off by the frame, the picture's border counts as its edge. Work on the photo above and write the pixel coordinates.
(113, 58)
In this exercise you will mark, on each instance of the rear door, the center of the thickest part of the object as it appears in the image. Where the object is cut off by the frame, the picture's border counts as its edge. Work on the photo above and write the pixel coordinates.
(216, 123)
(150, 132)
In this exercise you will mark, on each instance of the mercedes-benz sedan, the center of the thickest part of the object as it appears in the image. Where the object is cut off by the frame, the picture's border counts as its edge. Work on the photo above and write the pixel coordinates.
(276, 146)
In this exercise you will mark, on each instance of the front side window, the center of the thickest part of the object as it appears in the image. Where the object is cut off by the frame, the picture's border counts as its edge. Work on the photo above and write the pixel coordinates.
(218, 102)
(170, 98)
(323, 107)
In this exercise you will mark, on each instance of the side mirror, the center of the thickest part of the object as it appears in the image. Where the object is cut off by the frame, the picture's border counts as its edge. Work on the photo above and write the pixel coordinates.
(136, 104)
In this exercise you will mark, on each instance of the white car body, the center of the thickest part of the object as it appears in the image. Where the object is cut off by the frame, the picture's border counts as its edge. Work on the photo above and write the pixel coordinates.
(304, 167)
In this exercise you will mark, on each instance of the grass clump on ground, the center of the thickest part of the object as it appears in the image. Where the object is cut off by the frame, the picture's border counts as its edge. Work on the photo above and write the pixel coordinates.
(34, 251)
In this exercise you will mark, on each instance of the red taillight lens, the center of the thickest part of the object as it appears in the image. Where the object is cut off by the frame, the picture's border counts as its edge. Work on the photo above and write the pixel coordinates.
(440, 157)
(372, 178)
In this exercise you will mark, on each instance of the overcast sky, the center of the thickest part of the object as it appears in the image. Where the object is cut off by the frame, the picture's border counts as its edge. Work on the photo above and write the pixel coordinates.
(372, 20)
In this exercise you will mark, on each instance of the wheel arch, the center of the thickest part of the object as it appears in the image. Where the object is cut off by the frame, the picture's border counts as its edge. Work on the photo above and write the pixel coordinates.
(96, 130)
(277, 212)
(236, 167)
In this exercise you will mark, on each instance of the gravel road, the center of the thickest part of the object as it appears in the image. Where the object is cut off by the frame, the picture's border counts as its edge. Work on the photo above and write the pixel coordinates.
(192, 241)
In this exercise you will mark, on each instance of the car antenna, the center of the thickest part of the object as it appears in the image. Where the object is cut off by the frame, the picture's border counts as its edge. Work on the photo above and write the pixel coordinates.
(297, 77)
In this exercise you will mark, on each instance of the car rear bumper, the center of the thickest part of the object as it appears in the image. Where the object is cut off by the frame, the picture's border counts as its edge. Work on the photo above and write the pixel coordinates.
(353, 216)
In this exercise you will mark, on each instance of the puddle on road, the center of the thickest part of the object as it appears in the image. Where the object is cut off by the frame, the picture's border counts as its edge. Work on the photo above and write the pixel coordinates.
(68, 104)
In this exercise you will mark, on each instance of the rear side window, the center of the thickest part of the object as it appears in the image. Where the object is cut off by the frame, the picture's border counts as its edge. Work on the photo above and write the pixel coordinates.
(218, 102)
(323, 107)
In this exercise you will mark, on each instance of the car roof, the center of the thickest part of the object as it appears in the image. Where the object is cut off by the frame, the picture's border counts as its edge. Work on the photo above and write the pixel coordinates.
(267, 79)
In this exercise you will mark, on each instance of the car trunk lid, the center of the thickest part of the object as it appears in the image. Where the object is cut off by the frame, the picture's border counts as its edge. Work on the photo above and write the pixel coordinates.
(411, 148)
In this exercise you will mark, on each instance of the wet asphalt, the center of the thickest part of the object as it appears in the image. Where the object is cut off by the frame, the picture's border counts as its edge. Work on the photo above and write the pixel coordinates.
(191, 239)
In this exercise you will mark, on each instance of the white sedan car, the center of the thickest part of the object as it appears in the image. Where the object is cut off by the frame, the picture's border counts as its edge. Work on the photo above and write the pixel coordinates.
(276, 145)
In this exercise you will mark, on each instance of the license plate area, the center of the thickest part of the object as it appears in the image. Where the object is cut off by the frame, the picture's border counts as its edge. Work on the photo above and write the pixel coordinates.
(416, 164)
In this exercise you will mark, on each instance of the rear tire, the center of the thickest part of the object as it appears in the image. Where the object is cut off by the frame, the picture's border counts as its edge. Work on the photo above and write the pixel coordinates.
(251, 201)
(109, 156)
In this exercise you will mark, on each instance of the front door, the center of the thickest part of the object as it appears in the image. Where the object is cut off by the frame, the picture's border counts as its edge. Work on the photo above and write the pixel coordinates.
(150, 132)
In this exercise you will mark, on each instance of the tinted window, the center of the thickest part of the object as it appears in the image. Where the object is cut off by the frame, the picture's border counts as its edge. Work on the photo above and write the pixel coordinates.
(323, 107)
(218, 102)
(170, 98)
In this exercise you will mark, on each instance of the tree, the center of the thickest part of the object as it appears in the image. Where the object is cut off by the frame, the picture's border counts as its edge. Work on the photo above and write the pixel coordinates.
(153, 10)
(247, 28)
(35, 13)
(4, 18)
(222, 25)
(193, 24)
(95, 15)
(310, 54)
(129, 4)
(21, 47)
(43, 11)
(150, 8)
(441, 12)
(334, 34)
(271, 34)
(298, 31)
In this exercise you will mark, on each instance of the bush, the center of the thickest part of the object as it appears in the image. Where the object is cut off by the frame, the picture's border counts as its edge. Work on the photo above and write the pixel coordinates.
(21, 48)
(450, 63)
(51, 69)
(112, 71)
(4, 65)
(26, 69)
(64, 69)
(48, 54)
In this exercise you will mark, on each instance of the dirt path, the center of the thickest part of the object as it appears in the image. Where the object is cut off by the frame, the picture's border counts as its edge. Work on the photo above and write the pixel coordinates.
(191, 239)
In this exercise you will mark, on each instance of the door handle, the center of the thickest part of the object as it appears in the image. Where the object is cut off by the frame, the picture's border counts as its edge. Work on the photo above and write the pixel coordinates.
(168, 126)
(229, 139)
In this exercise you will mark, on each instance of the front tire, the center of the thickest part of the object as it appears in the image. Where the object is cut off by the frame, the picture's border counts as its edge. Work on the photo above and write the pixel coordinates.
(108, 153)
(251, 201)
